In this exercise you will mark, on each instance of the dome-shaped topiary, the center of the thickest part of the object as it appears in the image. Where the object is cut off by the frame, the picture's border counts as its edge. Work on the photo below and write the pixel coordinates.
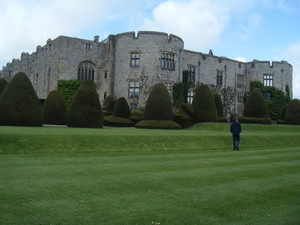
(86, 109)
(204, 105)
(159, 104)
(121, 109)
(218, 103)
(255, 105)
(54, 109)
(19, 104)
(293, 112)
(3, 84)
(158, 110)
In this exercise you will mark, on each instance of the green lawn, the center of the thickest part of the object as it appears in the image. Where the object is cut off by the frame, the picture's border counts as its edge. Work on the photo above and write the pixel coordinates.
(64, 176)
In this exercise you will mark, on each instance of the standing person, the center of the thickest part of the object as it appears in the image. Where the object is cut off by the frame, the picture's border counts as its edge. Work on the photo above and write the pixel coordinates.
(236, 129)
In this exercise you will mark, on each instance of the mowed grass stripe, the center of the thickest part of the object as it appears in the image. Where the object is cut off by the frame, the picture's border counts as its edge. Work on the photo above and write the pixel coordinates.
(198, 188)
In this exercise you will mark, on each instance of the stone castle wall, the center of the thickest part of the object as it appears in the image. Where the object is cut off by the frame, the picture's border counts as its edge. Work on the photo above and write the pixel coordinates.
(60, 59)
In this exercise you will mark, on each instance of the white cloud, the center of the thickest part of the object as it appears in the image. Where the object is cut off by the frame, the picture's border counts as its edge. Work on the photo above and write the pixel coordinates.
(293, 57)
(26, 24)
(199, 22)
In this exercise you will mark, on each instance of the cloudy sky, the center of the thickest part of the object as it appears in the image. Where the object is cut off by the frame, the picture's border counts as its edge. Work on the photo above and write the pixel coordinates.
(238, 29)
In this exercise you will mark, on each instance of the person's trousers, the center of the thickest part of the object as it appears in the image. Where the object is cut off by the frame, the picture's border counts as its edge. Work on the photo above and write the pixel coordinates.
(236, 141)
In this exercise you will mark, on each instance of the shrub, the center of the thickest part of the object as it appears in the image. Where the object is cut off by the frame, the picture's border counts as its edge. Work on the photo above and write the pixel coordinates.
(158, 110)
(188, 109)
(121, 109)
(136, 116)
(255, 105)
(256, 120)
(109, 104)
(3, 84)
(86, 109)
(54, 109)
(68, 89)
(117, 121)
(204, 105)
(218, 103)
(158, 124)
(182, 119)
(19, 104)
(276, 99)
(293, 112)
(159, 104)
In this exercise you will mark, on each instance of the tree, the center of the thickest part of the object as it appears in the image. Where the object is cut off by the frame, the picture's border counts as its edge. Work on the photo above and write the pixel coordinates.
(19, 104)
(255, 105)
(110, 103)
(180, 90)
(293, 112)
(158, 110)
(121, 109)
(54, 108)
(86, 109)
(159, 104)
(3, 84)
(218, 103)
(204, 105)
(276, 99)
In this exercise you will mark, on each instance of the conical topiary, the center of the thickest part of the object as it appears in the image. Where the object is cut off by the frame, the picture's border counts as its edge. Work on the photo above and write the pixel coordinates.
(255, 105)
(218, 103)
(293, 112)
(19, 104)
(120, 115)
(121, 109)
(3, 84)
(204, 105)
(54, 109)
(158, 110)
(86, 109)
(159, 104)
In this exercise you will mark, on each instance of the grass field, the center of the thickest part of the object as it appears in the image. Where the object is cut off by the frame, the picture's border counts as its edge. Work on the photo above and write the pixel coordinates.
(64, 176)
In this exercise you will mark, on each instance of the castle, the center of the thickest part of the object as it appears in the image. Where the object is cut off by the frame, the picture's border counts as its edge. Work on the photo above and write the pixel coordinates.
(129, 64)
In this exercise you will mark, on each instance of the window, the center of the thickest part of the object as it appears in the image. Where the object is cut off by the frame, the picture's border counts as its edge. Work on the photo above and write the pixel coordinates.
(240, 81)
(135, 59)
(219, 78)
(86, 71)
(268, 80)
(190, 96)
(168, 61)
(134, 89)
(191, 77)
(133, 106)
(88, 46)
(105, 75)
(105, 95)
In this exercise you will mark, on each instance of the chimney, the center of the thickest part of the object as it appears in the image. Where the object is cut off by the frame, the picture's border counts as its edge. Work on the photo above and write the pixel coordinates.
(96, 38)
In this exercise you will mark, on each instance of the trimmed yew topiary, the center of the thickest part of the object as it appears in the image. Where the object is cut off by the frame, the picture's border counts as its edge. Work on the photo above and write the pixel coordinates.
(19, 104)
(218, 103)
(158, 110)
(255, 105)
(293, 112)
(54, 109)
(122, 109)
(120, 115)
(3, 84)
(204, 105)
(86, 109)
(159, 104)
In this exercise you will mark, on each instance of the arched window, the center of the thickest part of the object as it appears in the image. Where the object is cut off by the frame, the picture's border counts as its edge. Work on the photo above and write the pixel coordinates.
(86, 71)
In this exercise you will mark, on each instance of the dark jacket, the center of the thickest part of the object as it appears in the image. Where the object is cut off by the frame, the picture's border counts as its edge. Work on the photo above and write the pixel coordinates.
(235, 127)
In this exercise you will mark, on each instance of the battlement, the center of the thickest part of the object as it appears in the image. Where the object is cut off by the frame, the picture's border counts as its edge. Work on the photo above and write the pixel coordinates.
(140, 34)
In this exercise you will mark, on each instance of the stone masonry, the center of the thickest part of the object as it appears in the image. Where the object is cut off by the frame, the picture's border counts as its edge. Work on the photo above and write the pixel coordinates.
(129, 64)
